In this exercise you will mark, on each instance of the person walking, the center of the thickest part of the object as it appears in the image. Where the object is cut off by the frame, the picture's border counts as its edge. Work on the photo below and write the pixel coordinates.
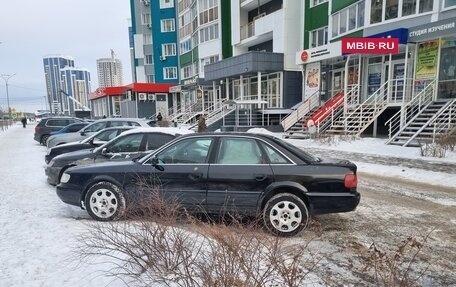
(159, 117)
(202, 123)
(24, 122)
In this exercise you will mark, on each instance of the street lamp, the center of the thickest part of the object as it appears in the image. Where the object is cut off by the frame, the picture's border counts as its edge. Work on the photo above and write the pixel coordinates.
(6, 78)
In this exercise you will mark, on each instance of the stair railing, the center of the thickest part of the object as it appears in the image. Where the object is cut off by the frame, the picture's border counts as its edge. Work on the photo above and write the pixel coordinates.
(444, 121)
(301, 111)
(409, 110)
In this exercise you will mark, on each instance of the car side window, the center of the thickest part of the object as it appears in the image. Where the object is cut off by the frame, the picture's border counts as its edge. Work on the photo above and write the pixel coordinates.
(239, 151)
(154, 141)
(75, 128)
(106, 135)
(129, 143)
(274, 156)
(134, 124)
(194, 150)
(95, 127)
(118, 123)
(56, 123)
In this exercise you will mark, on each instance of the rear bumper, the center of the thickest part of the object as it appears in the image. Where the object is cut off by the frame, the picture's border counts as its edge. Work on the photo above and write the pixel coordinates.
(323, 203)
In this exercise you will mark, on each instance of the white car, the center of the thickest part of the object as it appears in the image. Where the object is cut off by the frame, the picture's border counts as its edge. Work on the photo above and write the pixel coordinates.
(95, 127)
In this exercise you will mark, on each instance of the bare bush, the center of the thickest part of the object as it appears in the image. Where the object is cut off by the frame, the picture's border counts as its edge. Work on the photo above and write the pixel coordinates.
(433, 150)
(399, 267)
(152, 246)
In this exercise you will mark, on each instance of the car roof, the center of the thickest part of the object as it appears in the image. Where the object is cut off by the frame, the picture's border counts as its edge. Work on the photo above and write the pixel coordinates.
(243, 134)
(165, 130)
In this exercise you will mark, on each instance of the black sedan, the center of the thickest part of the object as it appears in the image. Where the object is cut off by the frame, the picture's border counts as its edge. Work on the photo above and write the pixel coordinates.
(240, 173)
(129, 144)
(93, 141)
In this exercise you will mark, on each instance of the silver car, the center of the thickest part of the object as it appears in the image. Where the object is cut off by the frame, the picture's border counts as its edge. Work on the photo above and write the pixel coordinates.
(95, 127)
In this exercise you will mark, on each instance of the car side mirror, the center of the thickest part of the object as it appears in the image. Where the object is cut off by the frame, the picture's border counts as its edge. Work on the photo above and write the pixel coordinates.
(155, 164)
(104, 151)
(82, 133)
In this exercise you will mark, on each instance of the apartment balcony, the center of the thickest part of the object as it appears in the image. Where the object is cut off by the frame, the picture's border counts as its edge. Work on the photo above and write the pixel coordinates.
(252, 4)
(262, 28)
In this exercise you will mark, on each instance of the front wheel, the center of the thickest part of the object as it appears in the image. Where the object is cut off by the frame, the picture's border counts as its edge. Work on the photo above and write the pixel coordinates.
(105, 202)
(285, 214)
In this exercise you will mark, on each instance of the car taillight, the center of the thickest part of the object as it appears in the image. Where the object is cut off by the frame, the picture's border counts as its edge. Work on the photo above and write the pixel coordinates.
(37, 129)
(351, 180)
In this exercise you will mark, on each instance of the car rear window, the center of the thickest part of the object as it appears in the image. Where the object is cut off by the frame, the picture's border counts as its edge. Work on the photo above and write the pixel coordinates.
(305, 156)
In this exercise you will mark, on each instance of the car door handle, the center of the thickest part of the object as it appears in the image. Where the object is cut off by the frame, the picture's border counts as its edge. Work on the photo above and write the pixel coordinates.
(195, 176)
(260, 177)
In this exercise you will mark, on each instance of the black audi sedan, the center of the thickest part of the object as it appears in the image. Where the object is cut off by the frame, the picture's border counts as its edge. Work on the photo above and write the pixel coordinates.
(242, 173)
(93, 141)
(127, 145)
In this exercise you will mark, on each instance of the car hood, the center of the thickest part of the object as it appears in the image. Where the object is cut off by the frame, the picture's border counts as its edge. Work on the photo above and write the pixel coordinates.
(76, 155)
(69, 137)
(105, 167)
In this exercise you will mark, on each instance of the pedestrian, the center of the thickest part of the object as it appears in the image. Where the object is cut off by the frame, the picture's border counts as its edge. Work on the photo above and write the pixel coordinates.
(24, 122)
(104, 116)
(202, 123)
(159, 117)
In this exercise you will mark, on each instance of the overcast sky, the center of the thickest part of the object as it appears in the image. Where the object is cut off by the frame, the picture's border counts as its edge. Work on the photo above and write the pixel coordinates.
(86, 30)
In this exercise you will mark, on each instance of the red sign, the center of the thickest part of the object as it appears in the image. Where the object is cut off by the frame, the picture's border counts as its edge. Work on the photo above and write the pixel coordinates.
(370, 45)
(304, 56)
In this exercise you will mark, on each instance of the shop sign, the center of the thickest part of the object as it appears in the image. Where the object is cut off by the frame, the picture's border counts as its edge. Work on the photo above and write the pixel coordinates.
(370, 46)
(401, 34)
(175, 89)
(432, 30)
(312, 79)
(426, 66)
(316, 54)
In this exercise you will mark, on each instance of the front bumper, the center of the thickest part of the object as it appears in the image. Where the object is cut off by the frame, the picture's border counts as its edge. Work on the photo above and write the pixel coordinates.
(70, 194)
(53, 174)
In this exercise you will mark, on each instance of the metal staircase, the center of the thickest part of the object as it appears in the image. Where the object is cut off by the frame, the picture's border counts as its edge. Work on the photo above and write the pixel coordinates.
(434, 120)
(398, 125)
(294, 123)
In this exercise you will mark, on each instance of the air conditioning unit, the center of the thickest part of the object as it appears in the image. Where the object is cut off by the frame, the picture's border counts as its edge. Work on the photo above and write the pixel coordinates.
(149, 26)
(146, 2)
(142, 96)
(162, 58)
(151, 97)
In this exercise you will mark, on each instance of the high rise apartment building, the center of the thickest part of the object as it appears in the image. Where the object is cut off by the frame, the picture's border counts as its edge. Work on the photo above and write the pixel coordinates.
(67, 87)
(109, 71)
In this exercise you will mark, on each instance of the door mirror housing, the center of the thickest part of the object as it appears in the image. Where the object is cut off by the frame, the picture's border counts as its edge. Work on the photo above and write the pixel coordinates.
(155, 164)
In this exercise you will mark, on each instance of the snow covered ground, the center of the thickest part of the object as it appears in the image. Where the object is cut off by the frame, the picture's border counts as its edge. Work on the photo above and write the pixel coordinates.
(39, 232)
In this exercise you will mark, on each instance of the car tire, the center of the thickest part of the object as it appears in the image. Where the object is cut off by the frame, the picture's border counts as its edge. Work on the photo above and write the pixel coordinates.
(44, 139)
(285, 214)
(104, 201)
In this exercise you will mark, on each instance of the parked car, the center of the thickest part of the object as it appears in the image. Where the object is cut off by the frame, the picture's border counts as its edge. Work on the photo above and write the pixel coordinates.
(127, 145)
(95, 127)
(242, 173)
(47, 125)
(71, 128)
(93, 141)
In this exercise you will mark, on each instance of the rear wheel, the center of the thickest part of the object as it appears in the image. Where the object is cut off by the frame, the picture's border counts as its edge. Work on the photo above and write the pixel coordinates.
(105, 202)
(285, 214)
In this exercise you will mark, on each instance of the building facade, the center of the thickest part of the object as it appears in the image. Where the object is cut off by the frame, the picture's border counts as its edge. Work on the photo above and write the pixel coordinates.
(75, 88)
(110, 72)
(53, 64)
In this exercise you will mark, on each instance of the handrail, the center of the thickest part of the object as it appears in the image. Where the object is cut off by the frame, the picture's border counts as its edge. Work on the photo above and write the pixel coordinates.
(409, 111)
(328, 108)
(444, 121)
(301, 111)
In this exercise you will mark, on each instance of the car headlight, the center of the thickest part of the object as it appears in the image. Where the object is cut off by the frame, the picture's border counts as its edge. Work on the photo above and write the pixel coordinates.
(51, 163)
(65, 178)
(48, 151)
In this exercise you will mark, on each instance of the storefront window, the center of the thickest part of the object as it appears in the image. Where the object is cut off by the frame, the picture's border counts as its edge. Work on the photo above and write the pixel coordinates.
(447, 71)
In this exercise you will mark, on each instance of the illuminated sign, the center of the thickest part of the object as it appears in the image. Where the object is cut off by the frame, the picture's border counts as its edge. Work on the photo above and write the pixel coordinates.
(370, 45)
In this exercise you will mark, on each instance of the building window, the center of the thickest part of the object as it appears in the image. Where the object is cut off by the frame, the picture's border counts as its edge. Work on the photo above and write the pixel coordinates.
(389, 9)
(208, 60)
(319, 37)
(185, 24)
(317, 2)
(185, 46)
(169, 49)
(150, 78)
(169, 73)
(148, 60)
(187, 72)
(145, 19)
(449, 3)
(209, 33)
(208, 11)
(167, 25)
(166, 4)
(348, 19)
(147, 39)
